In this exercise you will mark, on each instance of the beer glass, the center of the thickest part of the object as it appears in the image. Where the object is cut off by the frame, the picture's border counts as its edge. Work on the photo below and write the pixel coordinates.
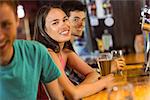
(104, 63)
(117, 54)
(119, 74)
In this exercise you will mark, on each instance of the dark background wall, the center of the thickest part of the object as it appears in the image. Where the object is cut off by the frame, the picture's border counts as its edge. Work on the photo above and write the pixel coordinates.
(127, 23)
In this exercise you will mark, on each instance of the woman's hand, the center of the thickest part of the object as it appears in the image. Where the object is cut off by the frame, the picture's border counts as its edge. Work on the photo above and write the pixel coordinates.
(108, 80)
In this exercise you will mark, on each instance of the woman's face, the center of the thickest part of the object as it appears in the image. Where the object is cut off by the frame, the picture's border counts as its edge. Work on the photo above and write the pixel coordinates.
(57, 25)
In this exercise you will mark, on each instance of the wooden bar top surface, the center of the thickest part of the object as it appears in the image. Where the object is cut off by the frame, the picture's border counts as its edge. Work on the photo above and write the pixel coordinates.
(141, 89)
(132, 59)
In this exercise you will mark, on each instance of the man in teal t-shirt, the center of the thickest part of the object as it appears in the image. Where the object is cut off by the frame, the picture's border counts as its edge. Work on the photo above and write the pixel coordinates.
(23, 63)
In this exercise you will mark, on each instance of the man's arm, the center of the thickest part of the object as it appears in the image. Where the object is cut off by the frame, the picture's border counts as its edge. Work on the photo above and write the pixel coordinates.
(54, 90)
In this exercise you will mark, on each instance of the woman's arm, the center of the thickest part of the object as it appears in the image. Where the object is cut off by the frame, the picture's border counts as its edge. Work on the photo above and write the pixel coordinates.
(54, 90)
(75, 62)
(80, 91)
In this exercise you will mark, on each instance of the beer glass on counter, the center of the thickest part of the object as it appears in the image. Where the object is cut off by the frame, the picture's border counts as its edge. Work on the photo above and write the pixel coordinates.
(104, 63)
(117, 54)
(120, 75)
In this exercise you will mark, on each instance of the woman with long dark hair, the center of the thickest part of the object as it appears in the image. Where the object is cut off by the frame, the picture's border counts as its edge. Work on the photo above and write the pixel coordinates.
(52, 28)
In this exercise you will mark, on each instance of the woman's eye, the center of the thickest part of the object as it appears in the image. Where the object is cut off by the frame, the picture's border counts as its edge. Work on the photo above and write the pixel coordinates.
(66, 19)
(55, 23)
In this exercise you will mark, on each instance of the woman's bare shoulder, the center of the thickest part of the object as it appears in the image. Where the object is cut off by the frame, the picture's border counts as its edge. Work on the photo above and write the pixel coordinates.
(50, 50)
(69, 52)
(52, 53)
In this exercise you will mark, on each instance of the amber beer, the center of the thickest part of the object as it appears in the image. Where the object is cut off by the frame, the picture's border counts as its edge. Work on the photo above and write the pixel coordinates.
(104, 66)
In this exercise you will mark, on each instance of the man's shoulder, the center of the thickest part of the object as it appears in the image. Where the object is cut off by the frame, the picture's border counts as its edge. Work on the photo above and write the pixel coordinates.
(28, 43)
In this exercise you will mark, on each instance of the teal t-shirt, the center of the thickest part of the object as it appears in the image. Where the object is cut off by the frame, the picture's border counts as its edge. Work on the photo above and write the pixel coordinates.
(30, 64)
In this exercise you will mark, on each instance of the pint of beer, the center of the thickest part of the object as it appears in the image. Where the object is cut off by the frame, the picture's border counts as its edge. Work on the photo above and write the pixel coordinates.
(104, 63)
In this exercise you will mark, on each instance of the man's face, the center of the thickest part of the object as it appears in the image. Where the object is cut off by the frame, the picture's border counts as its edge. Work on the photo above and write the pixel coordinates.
(77, 21)
(8, 28)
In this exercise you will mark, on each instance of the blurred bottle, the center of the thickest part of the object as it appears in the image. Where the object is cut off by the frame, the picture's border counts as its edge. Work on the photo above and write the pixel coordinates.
(100, 44)
(107, 40)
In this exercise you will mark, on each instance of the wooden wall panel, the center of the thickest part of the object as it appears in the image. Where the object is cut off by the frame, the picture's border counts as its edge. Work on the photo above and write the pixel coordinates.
(127, 16)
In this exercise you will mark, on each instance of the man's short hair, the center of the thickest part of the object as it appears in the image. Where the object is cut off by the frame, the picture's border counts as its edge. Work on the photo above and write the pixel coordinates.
(10, 3)
(72, 5)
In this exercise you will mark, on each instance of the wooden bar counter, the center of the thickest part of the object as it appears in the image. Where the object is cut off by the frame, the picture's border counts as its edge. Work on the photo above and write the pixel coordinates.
(133, 59)
(135, 75)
